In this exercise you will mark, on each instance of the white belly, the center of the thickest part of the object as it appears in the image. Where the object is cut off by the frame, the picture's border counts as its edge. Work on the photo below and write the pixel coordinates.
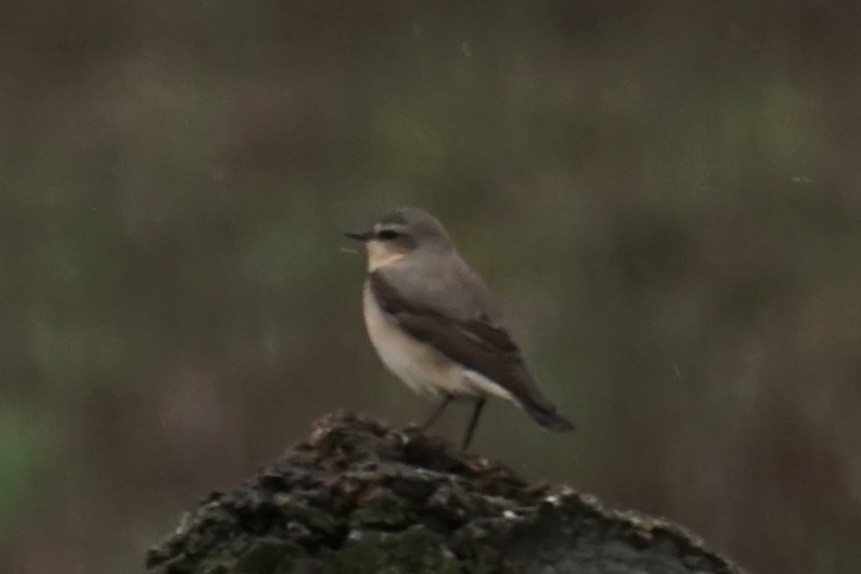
(423, 368)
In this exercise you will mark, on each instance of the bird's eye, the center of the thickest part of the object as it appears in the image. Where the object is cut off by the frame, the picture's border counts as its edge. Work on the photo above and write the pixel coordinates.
(387, 234)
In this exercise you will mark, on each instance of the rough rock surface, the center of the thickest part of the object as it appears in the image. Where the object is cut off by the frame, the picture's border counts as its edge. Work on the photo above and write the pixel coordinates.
(358, 497)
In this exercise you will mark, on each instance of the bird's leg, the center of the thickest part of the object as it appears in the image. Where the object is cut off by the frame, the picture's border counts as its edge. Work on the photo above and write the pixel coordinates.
(473, 421)
(435, 414)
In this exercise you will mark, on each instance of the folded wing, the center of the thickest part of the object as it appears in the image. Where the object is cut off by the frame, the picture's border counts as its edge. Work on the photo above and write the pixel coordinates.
(473, 342)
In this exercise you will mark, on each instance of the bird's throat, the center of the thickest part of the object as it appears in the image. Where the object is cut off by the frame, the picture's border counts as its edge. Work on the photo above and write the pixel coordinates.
(381, 254)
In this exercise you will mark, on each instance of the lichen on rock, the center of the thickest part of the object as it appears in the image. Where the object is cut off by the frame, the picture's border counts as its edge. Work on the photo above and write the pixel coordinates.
(360, 497)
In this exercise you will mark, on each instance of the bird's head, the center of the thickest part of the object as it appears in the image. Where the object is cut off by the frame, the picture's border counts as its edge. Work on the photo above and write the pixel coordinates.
(401, 232)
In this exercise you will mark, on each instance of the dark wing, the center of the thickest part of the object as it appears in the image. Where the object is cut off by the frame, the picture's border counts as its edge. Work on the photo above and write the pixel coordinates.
(474, 343)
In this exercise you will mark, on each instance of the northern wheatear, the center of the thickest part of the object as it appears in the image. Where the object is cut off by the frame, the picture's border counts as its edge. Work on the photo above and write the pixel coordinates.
(435, 324)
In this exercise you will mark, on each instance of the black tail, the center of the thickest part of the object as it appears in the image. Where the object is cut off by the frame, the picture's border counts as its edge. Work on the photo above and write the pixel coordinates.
(547, 417)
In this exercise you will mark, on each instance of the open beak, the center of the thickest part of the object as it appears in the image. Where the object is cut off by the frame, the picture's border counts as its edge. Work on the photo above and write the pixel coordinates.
(360, 235)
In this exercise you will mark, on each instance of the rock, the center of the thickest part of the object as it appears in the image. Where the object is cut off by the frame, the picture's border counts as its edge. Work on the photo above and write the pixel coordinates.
(359, 497)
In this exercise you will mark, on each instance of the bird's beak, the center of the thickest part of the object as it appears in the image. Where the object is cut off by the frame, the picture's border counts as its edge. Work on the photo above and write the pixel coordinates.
(360, 235)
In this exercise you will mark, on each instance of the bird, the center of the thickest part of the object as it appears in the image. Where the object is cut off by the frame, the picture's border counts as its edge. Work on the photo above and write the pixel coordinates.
(437, 326)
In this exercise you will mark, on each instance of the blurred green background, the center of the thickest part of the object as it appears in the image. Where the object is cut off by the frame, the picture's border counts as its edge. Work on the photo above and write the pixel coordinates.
(666, 195)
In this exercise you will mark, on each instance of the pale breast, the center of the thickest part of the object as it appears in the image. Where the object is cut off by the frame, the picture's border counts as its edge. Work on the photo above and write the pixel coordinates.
(419, 365)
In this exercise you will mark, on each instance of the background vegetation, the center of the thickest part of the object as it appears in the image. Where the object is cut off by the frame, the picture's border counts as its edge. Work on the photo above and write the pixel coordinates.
(667, 196)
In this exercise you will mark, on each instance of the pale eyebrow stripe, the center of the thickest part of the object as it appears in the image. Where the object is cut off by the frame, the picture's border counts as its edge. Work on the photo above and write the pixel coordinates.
(388, 226)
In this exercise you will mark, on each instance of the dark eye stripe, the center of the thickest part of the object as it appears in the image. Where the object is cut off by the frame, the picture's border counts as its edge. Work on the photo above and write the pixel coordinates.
(387, 234)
